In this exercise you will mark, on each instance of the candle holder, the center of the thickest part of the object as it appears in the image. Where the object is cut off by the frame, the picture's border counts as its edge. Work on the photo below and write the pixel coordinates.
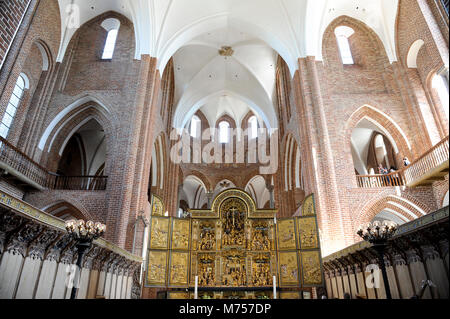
(378, 233)
(84, 233)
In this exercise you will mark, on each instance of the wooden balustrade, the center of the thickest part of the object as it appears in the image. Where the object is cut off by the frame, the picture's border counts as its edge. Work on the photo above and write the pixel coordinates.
(93, 183)
(379, 180)
(427, 164)
(16, 160)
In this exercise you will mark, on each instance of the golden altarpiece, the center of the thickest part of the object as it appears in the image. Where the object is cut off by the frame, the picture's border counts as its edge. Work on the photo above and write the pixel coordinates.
(235, 250)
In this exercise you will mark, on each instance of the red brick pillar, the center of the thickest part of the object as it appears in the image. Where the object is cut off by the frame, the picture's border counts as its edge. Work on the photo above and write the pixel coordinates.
(129, 183)
(335, 223)
(421, 141)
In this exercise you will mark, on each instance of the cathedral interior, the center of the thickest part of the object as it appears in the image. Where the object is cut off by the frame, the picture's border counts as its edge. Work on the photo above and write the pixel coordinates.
(224, 149)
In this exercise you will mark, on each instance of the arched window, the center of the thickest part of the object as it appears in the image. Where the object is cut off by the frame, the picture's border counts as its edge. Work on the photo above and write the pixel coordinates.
(13, 104)
(253, 127)
(224, 128)
(196, 127)
(112, 26)
(440, 84)
(342, 35)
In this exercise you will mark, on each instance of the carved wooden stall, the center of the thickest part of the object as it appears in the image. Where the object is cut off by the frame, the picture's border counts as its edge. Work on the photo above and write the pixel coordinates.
(418, 252)
(235, 250)
(37, 257)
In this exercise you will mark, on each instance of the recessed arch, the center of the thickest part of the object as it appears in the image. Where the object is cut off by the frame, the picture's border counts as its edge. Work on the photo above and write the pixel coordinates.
(385, 123)
(383, 32)
(45, 54)
(411, 59)
(85, 101)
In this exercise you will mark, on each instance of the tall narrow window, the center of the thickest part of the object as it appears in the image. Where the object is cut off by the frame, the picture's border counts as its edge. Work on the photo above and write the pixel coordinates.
(13, 104)
(224, 128)
(440, 84)
(253, 127)
(342, 35)
(112, 27)
(108, 51)
(195, 127)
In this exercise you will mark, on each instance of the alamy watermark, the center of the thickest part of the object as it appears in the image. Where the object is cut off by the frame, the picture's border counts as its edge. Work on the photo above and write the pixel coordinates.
(235, 146)
(374, 279)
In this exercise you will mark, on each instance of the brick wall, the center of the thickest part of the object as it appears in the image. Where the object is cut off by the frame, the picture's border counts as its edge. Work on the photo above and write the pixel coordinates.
(11, 14)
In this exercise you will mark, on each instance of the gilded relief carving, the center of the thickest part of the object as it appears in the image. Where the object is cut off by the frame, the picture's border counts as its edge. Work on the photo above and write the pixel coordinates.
(260, 236)
(233, 213)
(206, 270)
(157, 268)
(286, 234)
(312, 274)
(288, 268)
(234, 272)
(180, 234)
(261, 272)
(157, 206)
(307, 233)
(207, 240)
(308, 208)
(159, 233)
(178, 269)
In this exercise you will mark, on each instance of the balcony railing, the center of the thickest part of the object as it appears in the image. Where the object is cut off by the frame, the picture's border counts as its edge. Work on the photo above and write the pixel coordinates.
(422, 169)
(24, 168)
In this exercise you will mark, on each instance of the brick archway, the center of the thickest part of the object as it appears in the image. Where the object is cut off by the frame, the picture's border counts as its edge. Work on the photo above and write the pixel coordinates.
(387, 126)
(406, 206)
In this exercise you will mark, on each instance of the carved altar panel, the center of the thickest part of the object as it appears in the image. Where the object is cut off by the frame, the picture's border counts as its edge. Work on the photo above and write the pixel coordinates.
(261, 270)
(157, 268)
(206, 235)
(179, 266)
(307, 233)
(157, 206)
(233, 217)
(159, 233)
(286, 234)
(260, 235)
(311, 264)
(288, 269)
(206, 269)
(233, 268)
(181, 232)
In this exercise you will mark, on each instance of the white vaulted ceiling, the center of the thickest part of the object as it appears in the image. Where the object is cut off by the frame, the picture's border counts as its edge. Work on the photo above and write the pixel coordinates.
(293, 28)
(221, 85)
